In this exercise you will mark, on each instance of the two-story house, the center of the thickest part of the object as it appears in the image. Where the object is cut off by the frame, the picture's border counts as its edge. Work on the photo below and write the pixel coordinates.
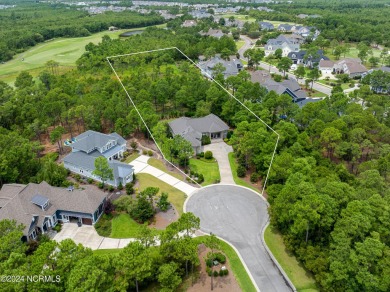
(287, 45)
(232, 66)
(90, 145)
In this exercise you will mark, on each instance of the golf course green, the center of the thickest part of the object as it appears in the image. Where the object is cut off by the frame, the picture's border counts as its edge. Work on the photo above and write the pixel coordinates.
(65, 51)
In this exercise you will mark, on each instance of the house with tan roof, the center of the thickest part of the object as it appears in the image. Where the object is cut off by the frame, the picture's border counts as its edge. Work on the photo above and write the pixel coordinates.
(352, 67)
(39, 207)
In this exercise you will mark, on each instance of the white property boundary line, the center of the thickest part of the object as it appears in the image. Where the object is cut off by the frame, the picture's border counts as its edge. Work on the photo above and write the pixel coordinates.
(209, 76)
(243, 105)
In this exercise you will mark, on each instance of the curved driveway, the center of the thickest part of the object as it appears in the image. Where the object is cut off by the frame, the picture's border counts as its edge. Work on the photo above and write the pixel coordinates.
(238, 215)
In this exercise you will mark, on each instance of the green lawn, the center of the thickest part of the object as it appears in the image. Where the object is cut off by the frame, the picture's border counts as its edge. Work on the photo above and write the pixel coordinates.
(123, 226)
(175, 196)
(236, 265)
(239, 44)
(353, 53)
(209, 170)
(237, 180)
(161, 166)
(302, 280)
(132, 157)
(240, 17)
(65, 51)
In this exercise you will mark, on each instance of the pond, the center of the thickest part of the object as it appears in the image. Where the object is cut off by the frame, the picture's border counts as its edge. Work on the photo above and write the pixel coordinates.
(130, 33)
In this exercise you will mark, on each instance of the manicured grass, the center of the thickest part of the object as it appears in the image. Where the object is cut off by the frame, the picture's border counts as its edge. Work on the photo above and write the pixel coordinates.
(132, 157)
(65, 51)
(353, 53)
(123, 226)
(240, 17)
(236, 265)
(107, 251)
(237, 180)
(161, 166)
(239, 44)
(302, 279)
(209, 170)
(175, 196)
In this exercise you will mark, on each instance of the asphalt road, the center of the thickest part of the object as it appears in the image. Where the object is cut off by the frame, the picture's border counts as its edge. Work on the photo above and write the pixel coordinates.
(245, 47)
(317, 86)
(238, 215)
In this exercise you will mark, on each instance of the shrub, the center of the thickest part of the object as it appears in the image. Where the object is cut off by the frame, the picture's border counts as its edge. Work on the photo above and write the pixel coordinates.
(241, 171)
(201, 154)
(123, 203)
(278, 78)
(215, 274)
(209, 263)
(133, 145)
(208, 271)
(163, 203)
(111, 188)
(205, 140)
(254, 177)
(150, 152)
(142, 210)
(208, 155)
(221, 273)
(103, 226)
(90, 180)
(192, 172)
(120, 186)
(221, 258)
(129, 188)
(226, 272)
(144, 152)
(77, 177)
(100, 185)
(200, 178)
(108, 207)
(58, 227)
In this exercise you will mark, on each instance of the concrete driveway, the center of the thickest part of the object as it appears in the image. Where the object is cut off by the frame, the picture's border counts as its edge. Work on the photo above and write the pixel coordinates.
(141, 165)
(238, 215)
(88, 237)
(220, 152)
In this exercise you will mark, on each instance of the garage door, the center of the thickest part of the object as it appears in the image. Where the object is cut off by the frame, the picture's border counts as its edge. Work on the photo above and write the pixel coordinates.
(87, 221)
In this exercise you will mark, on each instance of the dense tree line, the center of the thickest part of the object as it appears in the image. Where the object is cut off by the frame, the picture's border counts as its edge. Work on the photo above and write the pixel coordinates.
(328, 186)
(29, 24)
(76, 268)
(347, 21)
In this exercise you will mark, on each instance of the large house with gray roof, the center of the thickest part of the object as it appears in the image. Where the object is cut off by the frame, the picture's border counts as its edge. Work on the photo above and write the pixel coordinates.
(289, 87)
(90, 145)
(287, 45)
(193, 129)
(232, 66)
(39, 207)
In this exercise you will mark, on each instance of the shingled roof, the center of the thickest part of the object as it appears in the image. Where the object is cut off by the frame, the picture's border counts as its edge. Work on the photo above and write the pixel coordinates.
(19, 205)
(191, 129)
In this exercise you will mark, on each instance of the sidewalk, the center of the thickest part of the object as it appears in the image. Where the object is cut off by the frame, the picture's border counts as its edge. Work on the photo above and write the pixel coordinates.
(141, 165)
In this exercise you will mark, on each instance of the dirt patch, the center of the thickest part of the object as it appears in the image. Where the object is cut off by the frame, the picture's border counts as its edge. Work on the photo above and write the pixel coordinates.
(226, 283)
(163, 219)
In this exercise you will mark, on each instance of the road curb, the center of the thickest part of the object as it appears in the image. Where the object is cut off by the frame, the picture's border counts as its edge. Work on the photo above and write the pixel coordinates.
(275, 261)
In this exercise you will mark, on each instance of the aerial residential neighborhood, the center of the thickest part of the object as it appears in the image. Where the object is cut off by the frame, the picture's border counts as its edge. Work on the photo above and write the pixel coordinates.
(194, 146)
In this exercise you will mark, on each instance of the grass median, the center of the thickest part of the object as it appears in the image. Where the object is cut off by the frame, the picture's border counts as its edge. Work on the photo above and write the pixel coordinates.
(302, 279)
